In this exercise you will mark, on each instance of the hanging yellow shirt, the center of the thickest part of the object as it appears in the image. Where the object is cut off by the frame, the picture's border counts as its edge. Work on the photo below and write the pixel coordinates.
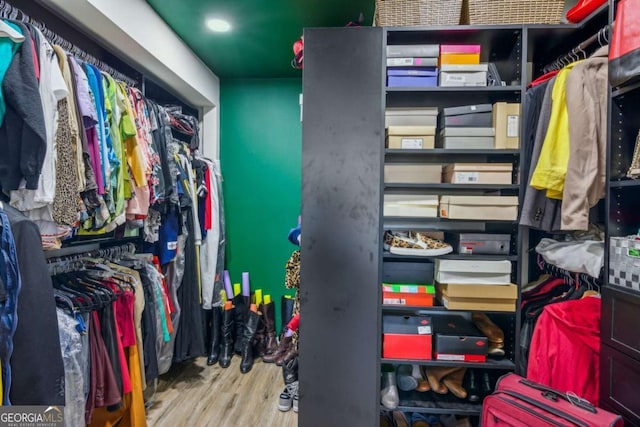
(551, 169)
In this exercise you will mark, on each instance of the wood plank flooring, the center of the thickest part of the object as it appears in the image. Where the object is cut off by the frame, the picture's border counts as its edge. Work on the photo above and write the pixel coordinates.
(196, 395)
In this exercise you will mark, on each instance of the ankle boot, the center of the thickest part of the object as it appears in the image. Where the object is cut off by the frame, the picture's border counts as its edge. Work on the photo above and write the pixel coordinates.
(435, 375)
(423, 384)
(291, 353)
(226, 351)
(281, 350)
(216, 325)
(290, 371)
(269, 318)
(286, 313)
(389, 396)
(247, 343)
(453, 381)
(486, 388)
(473, 385)
(259, 341)
(241, 308)
(406, 381)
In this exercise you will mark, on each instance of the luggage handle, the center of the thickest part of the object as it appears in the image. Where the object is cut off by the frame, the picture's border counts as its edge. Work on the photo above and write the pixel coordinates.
(553, 395)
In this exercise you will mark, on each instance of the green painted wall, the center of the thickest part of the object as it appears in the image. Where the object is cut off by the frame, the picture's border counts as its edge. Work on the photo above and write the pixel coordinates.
(260, 153)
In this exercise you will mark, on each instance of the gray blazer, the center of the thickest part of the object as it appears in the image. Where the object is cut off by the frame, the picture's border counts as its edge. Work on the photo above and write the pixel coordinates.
(538, 211)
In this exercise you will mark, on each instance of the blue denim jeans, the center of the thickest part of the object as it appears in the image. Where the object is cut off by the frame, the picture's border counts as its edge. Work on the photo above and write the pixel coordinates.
(10, 275)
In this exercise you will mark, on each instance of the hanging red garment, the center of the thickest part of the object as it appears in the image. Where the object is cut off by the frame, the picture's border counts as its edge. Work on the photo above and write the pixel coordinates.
(543, 78)
(565, 348)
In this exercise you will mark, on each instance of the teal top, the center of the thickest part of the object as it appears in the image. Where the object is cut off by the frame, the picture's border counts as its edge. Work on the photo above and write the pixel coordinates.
(8, 49)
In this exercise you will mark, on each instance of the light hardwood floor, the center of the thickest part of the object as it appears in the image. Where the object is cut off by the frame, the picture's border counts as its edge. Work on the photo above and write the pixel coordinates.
(196, 395)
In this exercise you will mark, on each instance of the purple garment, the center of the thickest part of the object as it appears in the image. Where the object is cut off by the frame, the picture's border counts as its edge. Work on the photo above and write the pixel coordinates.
(94, 154)
(83, 95)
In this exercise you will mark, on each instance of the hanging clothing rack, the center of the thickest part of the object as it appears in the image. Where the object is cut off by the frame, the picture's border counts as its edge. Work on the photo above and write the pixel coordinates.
(578, 52)
(569, 277)
(7, 11)
(74, 262)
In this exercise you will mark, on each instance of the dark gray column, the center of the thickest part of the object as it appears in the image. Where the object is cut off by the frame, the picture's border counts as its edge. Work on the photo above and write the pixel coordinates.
(342, 155)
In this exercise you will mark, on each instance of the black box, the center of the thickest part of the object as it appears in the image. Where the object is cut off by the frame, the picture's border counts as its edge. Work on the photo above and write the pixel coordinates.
(468, 109)
(478, 120)
(457, 338)
(407, 272)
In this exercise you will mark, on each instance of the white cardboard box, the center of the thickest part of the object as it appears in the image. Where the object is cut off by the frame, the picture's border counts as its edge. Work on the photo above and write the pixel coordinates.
(412, 173)
(410, 205)
(478, 173)
(472, 272)
(503, 208)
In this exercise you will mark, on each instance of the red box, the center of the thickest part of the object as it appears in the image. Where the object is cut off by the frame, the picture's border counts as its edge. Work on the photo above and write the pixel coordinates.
(407, 337)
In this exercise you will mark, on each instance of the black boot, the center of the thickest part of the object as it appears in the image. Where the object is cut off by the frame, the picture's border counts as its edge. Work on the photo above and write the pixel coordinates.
(216, 325)
(226, 352)
(247, 342)
(486, 387)
(473, 385)
(286, 313)
(290, 371)
(241, 307)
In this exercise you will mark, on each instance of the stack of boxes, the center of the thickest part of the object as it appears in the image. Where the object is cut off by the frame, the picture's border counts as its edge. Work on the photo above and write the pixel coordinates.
(475, 285)
(468, 127)
(412, 65)
(460, 66)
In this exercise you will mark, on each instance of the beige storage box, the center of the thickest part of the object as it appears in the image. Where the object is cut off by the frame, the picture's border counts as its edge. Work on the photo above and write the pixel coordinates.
(503, 208)
(410, 205)
(412, 173)
(478, 173)
(506, 121)
(478, 298)
(411, 117)
(411, 137)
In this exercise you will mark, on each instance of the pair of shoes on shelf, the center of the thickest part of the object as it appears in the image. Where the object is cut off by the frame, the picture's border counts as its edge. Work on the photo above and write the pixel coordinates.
(402, 419)
(414, 243)
(492, 332)
(478, 384)
(442, 380)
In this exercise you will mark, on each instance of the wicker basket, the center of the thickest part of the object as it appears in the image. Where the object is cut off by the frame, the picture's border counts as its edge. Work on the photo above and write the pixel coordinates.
(477, 12)
(390, 13)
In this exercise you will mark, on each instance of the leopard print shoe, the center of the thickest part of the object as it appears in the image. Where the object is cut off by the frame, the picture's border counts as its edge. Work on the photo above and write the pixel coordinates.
(414, 243)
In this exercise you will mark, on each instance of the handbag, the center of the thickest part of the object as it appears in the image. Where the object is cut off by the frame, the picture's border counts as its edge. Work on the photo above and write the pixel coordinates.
(583, 9)
(624, 54)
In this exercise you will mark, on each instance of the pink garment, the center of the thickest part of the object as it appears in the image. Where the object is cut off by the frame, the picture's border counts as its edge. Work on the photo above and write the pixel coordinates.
(94, 154)
(565, 348)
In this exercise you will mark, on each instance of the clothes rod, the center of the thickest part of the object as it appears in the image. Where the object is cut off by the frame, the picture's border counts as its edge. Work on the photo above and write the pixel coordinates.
(8, 11)
(578, 52)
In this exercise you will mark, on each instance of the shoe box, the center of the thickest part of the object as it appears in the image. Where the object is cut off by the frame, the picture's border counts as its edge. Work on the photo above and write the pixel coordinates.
(411, 137)
(408, 294)
(506, 121)
(480, 243)
(471, 116)
(410, 205)
(407, 337)
(503, 208)
(458, 339)
(407, 272)
(478, 297)
(471, 75)
(478, 173)
(411, 117)
(412, 173)
(472, 272)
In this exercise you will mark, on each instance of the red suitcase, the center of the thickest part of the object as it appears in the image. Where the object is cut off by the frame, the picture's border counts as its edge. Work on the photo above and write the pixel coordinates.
(518, 402)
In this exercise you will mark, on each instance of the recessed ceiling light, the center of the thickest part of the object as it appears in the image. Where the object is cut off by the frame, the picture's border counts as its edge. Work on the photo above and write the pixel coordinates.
(218, 25)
